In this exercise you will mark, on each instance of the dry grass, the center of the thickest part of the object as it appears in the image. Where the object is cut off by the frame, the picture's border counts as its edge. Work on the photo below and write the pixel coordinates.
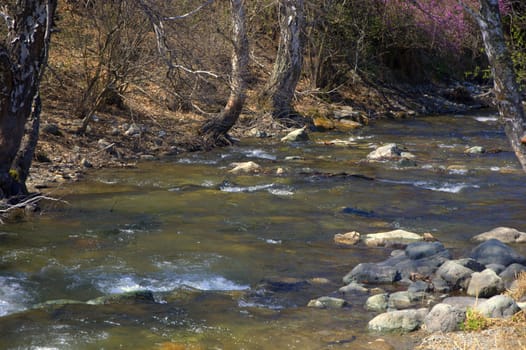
(519, 289)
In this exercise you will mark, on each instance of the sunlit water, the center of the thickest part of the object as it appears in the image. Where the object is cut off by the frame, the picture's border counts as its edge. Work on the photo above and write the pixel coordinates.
(202, 239)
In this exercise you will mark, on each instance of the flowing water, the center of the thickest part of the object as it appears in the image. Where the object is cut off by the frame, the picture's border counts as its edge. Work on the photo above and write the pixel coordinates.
(203, 239)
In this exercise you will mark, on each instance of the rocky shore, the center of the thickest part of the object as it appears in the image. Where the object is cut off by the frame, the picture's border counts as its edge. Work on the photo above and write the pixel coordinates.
(436, 292)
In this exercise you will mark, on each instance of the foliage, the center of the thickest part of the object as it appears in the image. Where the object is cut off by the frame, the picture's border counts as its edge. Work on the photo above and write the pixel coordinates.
(474, 321)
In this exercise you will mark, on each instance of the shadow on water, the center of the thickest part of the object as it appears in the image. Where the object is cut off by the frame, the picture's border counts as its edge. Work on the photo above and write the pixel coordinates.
(233, 259)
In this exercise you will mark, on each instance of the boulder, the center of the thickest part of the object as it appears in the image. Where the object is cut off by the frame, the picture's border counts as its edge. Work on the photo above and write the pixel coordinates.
(347, 239)
(296, 135)
(346, 125)
(385, 152)
(511, 272)
(444, 318)
(398, 236)
(372, 274)
(377, 302)
(485, 284)
(501, 306)
(419, 250)
(398, 321)
(494, 251)
(406, 299)
(348, 113)
(503, 234)
(456, 275)
(463, 302)
(244, 167)
(327, 303)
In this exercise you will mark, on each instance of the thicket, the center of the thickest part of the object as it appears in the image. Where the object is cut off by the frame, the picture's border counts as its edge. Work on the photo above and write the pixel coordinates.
(105, 49)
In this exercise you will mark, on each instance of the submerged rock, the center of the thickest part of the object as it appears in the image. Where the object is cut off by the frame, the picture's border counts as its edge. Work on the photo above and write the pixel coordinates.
(135, 297)
(503, 234)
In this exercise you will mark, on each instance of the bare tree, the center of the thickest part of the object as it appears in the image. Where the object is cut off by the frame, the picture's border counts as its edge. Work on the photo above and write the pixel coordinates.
(507, 93)
(23, 56)
(214, 131)
(289, 59)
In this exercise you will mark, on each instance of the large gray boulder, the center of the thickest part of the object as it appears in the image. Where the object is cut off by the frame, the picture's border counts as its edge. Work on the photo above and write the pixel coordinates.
(373, 274)
(501, 306)
(398, 321)
(463, 302)
(485, 284)
(390, 238)
(455, 274)
(503, 234)
(444, 318)
(511, 272)
(494, 251)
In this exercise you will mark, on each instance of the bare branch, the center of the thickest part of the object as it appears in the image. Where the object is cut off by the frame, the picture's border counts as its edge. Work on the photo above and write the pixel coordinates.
(29, 201)
(197, 9)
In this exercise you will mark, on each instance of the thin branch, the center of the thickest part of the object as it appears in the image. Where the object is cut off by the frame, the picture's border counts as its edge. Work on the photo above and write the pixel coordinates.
(197, 9)
(29, 201)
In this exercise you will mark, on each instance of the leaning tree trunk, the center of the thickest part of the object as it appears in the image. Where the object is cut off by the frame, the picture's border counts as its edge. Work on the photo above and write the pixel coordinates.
(289, 59)
(214, 131)
(507, 93)
(22, 60)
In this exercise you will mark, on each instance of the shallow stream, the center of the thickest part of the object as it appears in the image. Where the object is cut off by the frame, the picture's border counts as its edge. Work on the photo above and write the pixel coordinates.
(203, 239)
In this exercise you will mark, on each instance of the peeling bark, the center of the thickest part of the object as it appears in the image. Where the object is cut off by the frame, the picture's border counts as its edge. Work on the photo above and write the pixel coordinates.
(22, 63)
(214, 132)
(289, 59)
(507, 92)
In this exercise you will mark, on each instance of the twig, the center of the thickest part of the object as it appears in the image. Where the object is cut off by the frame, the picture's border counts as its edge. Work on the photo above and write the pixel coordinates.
(30, 201)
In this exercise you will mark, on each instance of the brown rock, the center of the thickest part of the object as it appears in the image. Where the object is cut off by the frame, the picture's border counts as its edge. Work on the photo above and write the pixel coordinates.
(349, 238)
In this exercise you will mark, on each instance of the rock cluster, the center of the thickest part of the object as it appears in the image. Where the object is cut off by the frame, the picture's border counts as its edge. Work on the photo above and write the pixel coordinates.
(429, 273)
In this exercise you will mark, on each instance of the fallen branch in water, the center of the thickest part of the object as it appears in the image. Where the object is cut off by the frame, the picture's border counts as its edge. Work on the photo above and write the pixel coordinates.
(32, 200)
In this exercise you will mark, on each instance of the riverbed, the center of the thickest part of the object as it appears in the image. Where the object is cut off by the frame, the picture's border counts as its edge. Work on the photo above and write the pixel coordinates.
(204, 240)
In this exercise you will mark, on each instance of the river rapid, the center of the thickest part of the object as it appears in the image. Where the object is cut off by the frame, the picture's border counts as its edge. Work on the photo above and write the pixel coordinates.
(203, 239)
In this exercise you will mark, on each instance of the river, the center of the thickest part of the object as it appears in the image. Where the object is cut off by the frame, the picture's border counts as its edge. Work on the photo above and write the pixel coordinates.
(203, 239)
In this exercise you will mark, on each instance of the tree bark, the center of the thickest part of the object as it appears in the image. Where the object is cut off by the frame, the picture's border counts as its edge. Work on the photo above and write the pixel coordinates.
(22, 62)
(507, 92)
(289, 59)
(214, 132)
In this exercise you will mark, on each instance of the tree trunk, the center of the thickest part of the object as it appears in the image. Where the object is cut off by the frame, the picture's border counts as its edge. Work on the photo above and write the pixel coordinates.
(214, 131)
(289, 59)
(507, 93)
(22, 61)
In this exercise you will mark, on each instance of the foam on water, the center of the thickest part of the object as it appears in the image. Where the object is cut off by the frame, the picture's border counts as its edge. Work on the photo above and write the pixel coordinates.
(270, 188)
(259, 153)
(13, 296)
(111, 284)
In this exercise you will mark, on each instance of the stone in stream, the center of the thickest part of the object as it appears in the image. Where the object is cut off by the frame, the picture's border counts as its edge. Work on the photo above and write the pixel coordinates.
(485, 284)
(398, 321)
(373, 274)
(296, 135)
(354, 287)
(347, 239)
(244, 167)
(390, 238)
(444, 318)
(389, 151)
(495, 252)
(406, 299)
(456, 275)
(503, 234)
(377, 302)
(327, 303)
